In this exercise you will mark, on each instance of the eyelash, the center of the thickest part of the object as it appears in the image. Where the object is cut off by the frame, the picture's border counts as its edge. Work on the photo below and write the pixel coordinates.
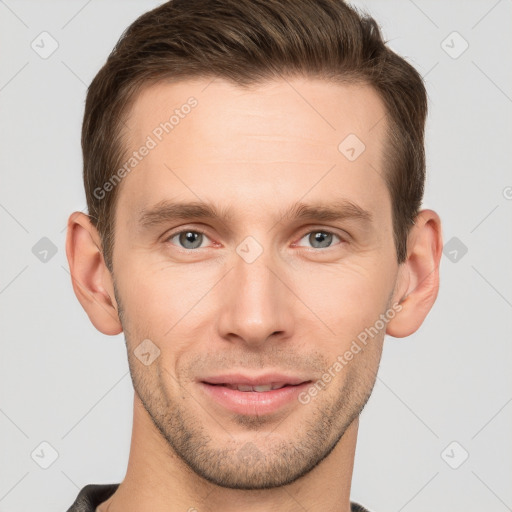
(197, 230)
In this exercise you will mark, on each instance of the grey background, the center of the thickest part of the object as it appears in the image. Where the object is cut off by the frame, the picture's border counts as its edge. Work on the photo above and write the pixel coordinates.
(64, 383)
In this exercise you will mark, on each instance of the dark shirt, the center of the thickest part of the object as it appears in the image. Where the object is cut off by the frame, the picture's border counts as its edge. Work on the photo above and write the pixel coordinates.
(93, 495)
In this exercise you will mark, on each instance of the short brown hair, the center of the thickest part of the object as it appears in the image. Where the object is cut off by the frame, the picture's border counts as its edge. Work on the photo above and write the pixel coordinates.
(248, 42)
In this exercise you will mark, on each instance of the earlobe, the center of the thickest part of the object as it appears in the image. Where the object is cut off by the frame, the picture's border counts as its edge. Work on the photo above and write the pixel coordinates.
(419, 283)
(90, 277)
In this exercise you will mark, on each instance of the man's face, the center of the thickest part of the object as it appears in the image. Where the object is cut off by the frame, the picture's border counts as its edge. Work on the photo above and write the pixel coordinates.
(258, 291)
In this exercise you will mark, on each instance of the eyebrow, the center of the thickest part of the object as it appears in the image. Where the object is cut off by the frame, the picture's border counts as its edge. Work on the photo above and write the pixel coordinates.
(166, 211)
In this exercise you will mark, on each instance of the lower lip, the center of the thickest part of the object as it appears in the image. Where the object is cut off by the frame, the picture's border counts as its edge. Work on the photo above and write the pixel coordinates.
(253, 402)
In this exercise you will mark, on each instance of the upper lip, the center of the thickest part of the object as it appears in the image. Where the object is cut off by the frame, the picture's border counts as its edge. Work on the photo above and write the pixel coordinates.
(257, 380)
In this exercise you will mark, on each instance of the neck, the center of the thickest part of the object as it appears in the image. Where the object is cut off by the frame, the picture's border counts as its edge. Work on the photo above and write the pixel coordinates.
(158, 480)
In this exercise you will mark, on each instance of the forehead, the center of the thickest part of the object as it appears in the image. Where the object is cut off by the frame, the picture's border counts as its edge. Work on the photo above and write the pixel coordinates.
(254, 147)
(330, 109)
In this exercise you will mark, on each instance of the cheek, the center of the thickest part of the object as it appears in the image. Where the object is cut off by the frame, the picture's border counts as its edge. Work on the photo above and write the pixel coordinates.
(152, 292)
(347, 297)
(170, 306)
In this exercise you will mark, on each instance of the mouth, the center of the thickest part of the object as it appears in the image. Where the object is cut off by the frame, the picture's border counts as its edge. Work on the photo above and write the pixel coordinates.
(262, 388)
(274, 380)
(253, 396)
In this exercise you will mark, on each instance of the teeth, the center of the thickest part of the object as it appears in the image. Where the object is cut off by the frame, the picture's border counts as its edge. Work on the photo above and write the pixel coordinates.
(243, 387)
(264, 387)
(259, 389)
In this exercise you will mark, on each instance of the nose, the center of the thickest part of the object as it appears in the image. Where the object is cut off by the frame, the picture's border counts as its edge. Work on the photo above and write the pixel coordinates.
(255, 302)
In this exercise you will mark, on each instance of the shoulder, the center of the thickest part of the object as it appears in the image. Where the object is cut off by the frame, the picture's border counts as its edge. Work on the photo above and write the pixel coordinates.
(91, 496)
(355, 507)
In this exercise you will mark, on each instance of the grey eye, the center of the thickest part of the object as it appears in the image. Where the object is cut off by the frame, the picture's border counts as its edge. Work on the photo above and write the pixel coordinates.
(189, 239)
(320, 239)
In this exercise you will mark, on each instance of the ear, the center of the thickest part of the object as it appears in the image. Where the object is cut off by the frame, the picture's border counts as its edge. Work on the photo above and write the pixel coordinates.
(91, 279)
(418, 280)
